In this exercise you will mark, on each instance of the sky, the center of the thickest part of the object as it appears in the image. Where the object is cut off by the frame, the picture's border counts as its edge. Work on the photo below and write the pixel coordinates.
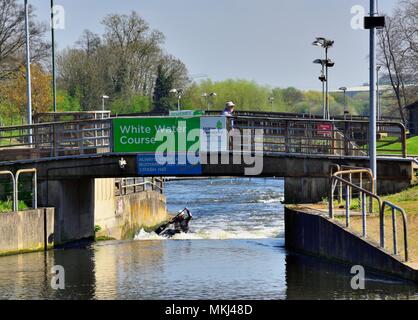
(268, 41)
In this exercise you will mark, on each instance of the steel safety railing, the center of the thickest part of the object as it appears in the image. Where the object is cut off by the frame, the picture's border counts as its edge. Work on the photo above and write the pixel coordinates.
(126, 186)
(337, 178)
(395, 209)
(56, 139)
(49, 117)
(15, 178)
(276, 135)
(315, 136)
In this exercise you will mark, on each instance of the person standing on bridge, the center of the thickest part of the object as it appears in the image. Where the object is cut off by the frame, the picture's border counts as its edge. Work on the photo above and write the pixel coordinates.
(229, 109)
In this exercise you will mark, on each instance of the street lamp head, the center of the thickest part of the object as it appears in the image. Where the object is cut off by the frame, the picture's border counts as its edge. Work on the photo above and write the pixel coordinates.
(320, 61)
(322, 42)
(173, 91)
(213, 94)
(322, 78)
(105, 97)
(330, 63)
(343, 89)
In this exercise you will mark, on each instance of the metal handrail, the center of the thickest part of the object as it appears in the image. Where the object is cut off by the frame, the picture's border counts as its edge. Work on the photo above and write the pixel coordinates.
(335, 178)
(34, 185)
(363, 193)
(405, 227)
(122, 185)
(9, 173)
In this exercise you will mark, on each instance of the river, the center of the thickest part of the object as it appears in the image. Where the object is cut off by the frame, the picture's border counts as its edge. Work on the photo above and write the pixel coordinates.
(235, 250)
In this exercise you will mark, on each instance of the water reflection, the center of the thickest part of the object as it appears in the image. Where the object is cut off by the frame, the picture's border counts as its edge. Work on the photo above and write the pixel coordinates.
(199, 269)
(313, 278)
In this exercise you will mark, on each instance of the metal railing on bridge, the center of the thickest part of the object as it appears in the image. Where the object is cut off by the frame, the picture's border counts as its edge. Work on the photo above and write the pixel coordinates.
(52, 140)
(321, 137)
(278, 135)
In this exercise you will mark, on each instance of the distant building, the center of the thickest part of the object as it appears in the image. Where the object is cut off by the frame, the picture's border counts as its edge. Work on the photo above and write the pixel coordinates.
(413, 118)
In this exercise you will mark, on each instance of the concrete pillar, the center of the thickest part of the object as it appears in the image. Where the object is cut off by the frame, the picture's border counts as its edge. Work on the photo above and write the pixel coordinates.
(73, 201)
(305, 190)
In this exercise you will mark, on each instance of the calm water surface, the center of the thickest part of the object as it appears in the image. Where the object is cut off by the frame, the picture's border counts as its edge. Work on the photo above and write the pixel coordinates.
(235, 251)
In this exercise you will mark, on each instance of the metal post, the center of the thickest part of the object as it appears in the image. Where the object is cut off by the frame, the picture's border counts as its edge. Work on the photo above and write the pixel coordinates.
(324, 108)
(395, 244)
(347, 205)
(28, 73)
(363, 213)
(54, 75)
(327, 85)
(373, 122)
(379, 111)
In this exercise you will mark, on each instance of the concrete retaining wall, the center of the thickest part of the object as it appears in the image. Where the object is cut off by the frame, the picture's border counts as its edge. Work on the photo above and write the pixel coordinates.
(73, 201)
(315, 234)
(121, 217)
(26, 231)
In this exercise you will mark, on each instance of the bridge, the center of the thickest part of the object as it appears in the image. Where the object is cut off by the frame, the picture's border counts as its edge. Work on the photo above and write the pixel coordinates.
(69, 151)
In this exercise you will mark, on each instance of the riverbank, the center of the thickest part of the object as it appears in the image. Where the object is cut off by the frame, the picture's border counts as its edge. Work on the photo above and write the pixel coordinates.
(406, 200)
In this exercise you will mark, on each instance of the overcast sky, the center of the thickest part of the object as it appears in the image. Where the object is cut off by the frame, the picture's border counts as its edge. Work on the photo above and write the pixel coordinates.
(268, 41)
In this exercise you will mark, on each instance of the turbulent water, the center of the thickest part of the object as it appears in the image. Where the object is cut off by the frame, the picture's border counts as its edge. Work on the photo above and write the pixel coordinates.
(235, 250)
(227, 208)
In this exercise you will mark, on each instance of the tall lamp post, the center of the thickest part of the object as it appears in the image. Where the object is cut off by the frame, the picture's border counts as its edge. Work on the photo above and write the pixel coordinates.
(271, 100)
(104, 97)
(373, 22)
(324, 79)
(379, 105)
(28, 71)
(344, 90)
(208, 97)
(326, 44)
(54, 75)
(179, 93)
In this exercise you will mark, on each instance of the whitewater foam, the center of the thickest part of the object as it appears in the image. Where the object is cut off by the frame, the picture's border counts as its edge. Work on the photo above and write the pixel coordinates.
(215, 234)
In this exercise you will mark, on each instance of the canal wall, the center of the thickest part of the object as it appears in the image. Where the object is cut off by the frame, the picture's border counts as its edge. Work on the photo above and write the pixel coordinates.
(309, 181)
(120, 217)
(313, 233)
(26, 231)
(83, 204)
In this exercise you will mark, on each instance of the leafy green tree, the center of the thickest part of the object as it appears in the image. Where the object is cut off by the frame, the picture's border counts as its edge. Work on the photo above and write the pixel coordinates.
(163, 85)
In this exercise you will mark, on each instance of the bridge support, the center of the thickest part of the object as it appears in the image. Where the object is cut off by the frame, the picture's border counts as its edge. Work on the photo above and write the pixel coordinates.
(74, 207)
(305, 190)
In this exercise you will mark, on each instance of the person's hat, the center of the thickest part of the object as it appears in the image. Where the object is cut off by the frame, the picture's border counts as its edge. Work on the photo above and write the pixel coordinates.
(230, 104)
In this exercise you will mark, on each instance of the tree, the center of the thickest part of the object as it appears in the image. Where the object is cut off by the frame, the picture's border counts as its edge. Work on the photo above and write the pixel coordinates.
(163, 85)
(14, 95)
(12, 38)
(122, 63)
(399, 53)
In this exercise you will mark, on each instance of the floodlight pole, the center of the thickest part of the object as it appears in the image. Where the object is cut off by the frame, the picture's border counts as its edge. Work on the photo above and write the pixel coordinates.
(373, 121)
(28, 73)
(54, 74)
(327, 114)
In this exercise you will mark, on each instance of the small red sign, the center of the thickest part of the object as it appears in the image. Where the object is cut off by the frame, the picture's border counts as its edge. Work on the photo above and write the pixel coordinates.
(324, 129)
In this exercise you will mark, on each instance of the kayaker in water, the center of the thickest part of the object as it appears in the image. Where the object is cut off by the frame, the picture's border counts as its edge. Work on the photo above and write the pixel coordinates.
(180, 222)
